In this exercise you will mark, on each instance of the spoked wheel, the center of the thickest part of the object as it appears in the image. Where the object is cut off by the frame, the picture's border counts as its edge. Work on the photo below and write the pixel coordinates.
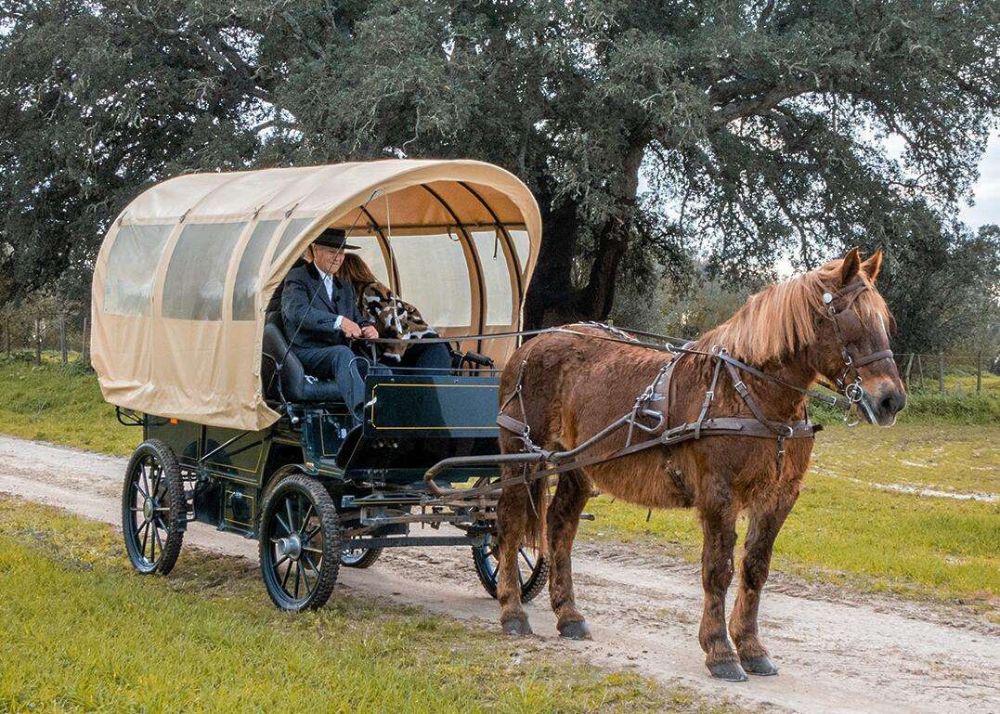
(153, 508)
(357, 557)
(532, 569)
(299, 542)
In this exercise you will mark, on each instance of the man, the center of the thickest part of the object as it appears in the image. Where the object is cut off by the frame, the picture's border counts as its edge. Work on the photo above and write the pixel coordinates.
(321, 314)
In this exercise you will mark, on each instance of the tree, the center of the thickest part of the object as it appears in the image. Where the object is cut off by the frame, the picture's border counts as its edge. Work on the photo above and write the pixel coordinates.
(760, 122)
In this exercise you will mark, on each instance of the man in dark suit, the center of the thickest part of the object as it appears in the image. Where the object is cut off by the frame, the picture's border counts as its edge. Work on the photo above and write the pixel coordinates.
(321, 314)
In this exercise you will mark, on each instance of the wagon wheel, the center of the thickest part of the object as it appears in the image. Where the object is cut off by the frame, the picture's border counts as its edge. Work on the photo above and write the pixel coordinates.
(154, 513)
(299, 542)
(358, 557)
(532, 569)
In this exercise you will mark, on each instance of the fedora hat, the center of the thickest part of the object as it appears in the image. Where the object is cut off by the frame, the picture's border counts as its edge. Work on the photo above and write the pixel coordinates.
(334, 238)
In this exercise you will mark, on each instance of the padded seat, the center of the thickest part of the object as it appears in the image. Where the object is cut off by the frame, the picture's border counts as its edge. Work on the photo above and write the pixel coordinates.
(283, 376)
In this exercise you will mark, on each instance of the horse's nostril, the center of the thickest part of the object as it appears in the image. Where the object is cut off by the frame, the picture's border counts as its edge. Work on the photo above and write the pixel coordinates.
(886, 405)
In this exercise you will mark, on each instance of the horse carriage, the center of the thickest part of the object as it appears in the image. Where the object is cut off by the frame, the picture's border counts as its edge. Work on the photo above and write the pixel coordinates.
(188, 347)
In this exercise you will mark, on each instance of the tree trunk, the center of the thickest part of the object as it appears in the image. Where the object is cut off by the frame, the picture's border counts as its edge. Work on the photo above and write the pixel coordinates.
(941, 372)
(38, 341)
(979, 371)
(552, 299)
(85, 347)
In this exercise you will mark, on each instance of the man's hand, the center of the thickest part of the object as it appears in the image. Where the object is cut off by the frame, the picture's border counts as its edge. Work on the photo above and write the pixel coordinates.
(369, 332)
(350, 328)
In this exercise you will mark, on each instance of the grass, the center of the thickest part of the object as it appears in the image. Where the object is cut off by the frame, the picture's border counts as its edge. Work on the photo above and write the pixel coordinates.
(843, 529)
(60, 404)
(846, 529)
(80, 631)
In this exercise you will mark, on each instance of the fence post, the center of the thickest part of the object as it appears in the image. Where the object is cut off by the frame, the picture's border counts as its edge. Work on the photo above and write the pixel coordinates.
(941, 372)
(979, 371)
(909, 366)
(8, 331)
(920, 370)
(85, 348)
(38, 340)
(62, 339)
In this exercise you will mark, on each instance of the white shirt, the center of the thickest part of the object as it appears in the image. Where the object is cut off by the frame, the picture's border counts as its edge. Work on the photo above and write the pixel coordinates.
(328, 283)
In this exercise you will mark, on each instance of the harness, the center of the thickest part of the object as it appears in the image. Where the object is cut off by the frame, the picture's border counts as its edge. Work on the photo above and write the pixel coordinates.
(659, 390)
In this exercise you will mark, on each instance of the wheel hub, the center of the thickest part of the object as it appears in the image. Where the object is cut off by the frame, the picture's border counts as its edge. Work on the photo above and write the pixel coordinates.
(291, 546)
(148, 508)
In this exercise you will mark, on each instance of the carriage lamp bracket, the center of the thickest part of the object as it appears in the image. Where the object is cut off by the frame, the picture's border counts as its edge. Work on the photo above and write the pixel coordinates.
(127, 417)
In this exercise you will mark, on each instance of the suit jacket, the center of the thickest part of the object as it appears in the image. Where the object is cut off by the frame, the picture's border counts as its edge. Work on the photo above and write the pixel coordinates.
(309, 315)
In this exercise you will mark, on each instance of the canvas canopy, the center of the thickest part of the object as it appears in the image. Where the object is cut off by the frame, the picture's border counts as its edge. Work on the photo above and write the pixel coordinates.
(184, 274)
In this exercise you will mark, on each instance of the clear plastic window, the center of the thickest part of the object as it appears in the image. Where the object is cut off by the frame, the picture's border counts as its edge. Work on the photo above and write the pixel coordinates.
(370, 252)
(247, 276)
(434, 277)
(196, 276)
(132, 264)
(496, 277)
(522, 244)
(292, 231)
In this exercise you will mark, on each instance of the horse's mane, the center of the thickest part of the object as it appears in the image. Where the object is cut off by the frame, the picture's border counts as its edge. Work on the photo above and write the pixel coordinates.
(780, 319)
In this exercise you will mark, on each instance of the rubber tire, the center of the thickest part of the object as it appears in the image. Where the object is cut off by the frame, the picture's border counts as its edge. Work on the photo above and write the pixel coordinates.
(365, 561)
(531, 588)
(284, 480)
(176, 519)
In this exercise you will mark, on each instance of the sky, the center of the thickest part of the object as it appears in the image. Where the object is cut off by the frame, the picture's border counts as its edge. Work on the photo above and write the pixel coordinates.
(987, 189)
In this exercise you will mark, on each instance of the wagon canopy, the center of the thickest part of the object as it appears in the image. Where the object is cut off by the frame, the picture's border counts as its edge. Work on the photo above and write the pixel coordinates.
(184, 274)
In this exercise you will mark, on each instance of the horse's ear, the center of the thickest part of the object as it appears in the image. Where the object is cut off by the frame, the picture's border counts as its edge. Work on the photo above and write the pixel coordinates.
(873, 265)
(850, 266)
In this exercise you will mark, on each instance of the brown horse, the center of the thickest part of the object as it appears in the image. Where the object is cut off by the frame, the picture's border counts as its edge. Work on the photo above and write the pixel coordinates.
(828, 323)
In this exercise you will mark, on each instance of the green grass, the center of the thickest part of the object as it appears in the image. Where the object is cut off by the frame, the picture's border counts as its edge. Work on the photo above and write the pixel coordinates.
(80, 631)
(841, 531)
(844, 529)
(60, 404)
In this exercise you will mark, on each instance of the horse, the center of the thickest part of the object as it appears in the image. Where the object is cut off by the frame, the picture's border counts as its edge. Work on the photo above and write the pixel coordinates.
(567, 385)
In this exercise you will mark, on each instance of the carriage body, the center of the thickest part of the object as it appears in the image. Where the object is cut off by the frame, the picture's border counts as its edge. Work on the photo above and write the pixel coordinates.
(188, 346)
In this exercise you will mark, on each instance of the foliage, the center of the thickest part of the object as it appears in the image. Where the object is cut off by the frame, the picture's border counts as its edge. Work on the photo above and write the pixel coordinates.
(761, 122)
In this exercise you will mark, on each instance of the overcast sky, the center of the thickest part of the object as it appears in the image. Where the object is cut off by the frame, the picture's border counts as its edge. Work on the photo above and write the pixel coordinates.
(987, 190)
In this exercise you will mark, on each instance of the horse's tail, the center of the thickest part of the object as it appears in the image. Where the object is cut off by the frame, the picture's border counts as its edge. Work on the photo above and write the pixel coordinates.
(538, 495)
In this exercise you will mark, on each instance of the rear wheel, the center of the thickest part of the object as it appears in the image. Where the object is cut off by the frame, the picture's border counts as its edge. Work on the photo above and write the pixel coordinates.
(299, 542)
(359, 557)
(154, 513)
(532, 569)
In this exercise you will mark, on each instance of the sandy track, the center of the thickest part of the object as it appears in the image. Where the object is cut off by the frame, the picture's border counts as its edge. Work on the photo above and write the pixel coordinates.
(834, 656)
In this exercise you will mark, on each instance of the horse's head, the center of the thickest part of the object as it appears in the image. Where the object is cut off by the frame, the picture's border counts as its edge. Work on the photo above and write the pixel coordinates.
(852, 338)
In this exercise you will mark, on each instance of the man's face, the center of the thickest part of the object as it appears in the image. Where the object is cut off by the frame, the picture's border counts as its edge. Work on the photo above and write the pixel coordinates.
(328, 259)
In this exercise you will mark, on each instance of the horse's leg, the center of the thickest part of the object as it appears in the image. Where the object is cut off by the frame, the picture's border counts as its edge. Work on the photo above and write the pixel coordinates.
(718, 525)
(512, 525)
(763, 529)
(571, 496)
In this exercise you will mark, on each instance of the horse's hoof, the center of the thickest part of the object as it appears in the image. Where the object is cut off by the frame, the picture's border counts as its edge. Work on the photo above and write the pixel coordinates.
(576, 630)
(729, 671)
(517, 627)
(761, 666)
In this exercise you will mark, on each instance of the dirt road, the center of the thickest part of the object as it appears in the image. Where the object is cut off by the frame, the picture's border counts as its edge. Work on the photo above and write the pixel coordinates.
(862, 655)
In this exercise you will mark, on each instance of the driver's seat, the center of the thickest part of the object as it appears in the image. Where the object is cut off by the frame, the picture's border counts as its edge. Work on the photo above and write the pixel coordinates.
(282, 374)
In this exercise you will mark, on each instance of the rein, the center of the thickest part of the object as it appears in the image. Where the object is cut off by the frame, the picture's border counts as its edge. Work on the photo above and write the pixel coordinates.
(757, 426)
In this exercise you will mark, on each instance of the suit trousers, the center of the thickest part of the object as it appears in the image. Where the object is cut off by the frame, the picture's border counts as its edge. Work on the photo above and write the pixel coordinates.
(339, 363)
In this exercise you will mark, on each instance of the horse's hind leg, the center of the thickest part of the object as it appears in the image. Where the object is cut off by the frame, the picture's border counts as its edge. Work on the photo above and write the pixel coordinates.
(763, 529)
(571, 496)
(718, 524)
(512, 527)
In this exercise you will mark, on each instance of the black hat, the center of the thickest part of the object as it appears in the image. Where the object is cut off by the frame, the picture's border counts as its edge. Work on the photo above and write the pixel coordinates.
(334, 238)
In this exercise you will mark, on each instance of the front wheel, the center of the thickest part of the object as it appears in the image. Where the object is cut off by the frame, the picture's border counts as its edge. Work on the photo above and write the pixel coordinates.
(299, 542)
(532, 569)
(154, 513)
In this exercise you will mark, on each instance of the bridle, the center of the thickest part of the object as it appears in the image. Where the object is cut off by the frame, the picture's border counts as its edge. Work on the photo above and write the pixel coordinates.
(849, 382)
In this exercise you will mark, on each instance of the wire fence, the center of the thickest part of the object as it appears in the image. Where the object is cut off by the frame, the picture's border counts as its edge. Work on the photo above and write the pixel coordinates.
(65, 338)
